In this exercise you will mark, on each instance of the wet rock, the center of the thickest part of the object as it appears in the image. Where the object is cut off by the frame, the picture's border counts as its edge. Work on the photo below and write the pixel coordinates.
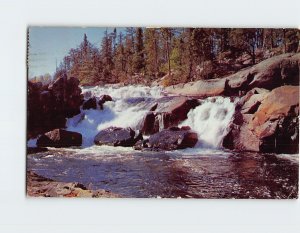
(39, 186)
(103, 99)
(141, 144)
(272, 127)
(148, 127)
(172, 139)
(59, 138)
(34, 150)
(116, 136)
(91, 103)
(169, 111)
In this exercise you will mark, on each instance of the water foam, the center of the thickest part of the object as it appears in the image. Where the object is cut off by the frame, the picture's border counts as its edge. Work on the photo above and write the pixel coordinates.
(129, 106)
(211, 120)
(124, 92)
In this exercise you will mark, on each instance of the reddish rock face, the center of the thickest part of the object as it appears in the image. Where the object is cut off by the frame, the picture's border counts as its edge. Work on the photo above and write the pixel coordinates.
(273, 126)
(59, 138)
(49, 106)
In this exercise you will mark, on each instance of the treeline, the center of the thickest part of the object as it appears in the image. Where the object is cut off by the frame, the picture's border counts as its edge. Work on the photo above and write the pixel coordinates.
(142, 55)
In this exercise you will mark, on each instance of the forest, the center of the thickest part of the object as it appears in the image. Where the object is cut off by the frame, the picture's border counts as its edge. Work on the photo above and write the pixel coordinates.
(179, 55)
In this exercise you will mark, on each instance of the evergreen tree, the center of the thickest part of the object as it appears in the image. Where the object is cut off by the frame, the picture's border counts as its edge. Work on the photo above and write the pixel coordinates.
(152, 51)
(167, 35)
(139, 60)
(107, 58)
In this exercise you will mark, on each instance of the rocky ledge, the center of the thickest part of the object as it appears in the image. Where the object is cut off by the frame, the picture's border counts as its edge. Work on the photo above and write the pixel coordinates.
(269, 74)
(38, 186)
(266, 121)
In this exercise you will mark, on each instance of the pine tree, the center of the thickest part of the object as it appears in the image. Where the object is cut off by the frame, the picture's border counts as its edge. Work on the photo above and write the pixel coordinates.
(107, 58)
(167, 35)
(138, 59)
(152, 51)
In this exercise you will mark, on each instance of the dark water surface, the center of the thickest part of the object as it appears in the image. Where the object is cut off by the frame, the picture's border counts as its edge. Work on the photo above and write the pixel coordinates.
(173, 174)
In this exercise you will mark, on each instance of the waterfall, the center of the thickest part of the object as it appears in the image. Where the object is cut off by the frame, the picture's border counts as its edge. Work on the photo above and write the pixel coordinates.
(211, 120)
(129, 106)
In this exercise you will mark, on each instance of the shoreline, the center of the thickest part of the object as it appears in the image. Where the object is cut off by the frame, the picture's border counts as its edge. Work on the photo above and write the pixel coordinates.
(39, 186)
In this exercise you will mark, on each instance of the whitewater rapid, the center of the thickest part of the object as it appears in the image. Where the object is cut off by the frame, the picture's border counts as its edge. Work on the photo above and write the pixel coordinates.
(210, 120)
(129, 106)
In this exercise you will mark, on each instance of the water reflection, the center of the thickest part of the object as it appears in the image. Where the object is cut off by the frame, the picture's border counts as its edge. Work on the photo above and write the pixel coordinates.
(153, 174)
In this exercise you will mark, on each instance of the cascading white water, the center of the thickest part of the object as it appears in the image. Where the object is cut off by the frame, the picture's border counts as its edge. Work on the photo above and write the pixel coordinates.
(129, 106)
(211, 120)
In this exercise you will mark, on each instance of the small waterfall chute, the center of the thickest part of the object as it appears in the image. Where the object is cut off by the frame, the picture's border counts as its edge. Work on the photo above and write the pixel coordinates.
(211, 120)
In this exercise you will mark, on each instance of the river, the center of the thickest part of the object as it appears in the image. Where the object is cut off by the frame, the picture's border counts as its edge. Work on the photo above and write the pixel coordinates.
(206, 171)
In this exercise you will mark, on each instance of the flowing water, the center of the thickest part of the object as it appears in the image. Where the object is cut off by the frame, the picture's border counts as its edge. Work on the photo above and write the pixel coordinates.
(206, 171)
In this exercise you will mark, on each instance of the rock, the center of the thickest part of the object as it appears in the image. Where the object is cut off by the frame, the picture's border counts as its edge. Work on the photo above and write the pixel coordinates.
(59, 138)
(141, 144)
(116, 136)
(201, 88)
(269, 74)
(148, 127)
(172, 139)
(273, 126)
(168, 112)
(103, 99)
(34, 150)
(49, 106)
(252, 104)
(39, 186)
(91, 103)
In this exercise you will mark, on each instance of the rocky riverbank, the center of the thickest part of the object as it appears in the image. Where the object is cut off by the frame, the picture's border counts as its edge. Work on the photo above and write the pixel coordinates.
(38, 186)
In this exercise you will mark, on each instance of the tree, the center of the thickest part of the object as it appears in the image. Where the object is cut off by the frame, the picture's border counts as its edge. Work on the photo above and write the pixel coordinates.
(139, 60)
(167, 34)
(106, 54)
(291, 39)
(152, 51)
(245, 40)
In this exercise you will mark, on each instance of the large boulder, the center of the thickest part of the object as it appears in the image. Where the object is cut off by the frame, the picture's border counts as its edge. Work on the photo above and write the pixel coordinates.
(267, 122)
(59, 138)
(67, 94)
(167, 112)
(172, 139)
(116, 136)
(270, 73)
(49, 106)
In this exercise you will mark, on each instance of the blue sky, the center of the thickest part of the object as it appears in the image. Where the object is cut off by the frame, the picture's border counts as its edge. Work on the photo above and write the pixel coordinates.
(51, 44)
